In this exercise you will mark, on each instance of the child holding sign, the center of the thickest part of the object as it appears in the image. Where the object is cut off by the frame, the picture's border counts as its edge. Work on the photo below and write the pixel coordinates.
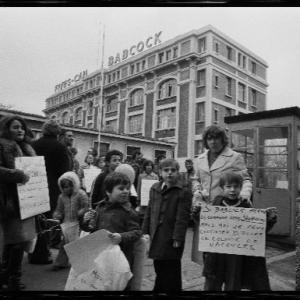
(115, 214)
(235, 271)
(70, 202)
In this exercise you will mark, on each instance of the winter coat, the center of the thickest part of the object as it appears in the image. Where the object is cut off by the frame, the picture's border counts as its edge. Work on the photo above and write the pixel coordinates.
(56, 161)
(249, 271)
(68, 208)
(15, 229)
(166, 220)
(227, 161)
(120, 218)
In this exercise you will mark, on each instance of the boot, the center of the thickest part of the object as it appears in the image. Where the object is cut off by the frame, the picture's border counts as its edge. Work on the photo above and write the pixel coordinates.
(14, 267)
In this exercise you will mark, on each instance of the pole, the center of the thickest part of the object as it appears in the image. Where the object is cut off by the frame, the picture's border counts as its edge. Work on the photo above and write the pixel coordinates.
(101, 98)
(298, 244)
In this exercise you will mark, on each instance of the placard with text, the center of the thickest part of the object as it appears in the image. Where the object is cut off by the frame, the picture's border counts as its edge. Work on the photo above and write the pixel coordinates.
(232, 230)
(34, 195)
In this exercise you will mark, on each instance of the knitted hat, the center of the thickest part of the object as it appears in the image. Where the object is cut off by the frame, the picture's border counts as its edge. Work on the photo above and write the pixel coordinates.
(51, 128)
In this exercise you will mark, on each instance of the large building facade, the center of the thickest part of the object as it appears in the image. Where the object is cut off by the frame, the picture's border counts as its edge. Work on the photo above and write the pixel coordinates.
(169, 92)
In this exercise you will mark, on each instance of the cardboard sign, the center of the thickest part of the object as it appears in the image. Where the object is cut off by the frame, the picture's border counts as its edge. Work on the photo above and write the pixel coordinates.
(82, 252)
(34, 195)
(146, 185)
(89, 177)
(232, 230)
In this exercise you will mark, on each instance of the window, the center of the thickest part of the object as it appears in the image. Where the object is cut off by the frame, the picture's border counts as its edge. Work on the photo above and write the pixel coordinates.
(137, 67)
(216, 81)
(201, 78)
(135, 124)
(198, 147)
(167, 89)
(216, 116)
(253, 67)
(200, 113)
(175, 52)
(239, 59)
(228, 86)
(112, 105)
(114, 77)
(111, 125)
(166, 118)
(91, 84)
(64, 117)
(216, 47)
(86, 85)
(131, 69)
(202, 45)
(131, 150)
(136, 97)
(244, 62)
(168, 55)
(98, 80)
(109, 78)
(90, 108)
(78, 115)
(253, 97)
(118, 75)
(229, 52)
(228, 112)
(160, 57)
(143, 64)
(241, 92)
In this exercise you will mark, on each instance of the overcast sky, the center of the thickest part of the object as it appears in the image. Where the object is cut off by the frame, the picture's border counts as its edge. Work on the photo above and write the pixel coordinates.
(41, 47)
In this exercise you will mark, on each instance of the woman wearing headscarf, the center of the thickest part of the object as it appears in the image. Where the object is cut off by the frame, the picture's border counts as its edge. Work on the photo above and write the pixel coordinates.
(18, 234)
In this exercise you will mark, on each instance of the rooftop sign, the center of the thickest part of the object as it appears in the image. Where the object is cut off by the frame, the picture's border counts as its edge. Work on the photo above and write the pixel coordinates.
(65, 84)
(133, 50)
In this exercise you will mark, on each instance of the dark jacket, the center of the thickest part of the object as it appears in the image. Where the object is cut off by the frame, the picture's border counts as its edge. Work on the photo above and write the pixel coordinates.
(15, 229)
(56, 161)
(115, 217)
(250, 271)
(166, 220)
(98, 192)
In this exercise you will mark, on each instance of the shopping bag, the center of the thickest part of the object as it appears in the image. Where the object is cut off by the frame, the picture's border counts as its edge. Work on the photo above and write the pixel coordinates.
(70, 231)
(111, 272)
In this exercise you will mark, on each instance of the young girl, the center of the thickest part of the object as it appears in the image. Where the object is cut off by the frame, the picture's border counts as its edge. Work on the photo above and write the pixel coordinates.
(114, 213)
(235, 271)
(70, 203)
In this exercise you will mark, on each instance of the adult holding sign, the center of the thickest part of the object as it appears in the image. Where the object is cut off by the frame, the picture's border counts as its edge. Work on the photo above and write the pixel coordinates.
(18, 234)
(209, 167)
(243, 233)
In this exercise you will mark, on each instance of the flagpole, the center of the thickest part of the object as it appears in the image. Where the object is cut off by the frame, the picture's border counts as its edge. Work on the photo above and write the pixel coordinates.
(101, 98)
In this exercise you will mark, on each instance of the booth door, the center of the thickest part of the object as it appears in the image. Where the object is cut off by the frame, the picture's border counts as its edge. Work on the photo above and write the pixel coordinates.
(272, 175)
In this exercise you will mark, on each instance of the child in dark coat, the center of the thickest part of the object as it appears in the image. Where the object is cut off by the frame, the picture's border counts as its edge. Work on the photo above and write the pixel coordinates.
(235, 271)
(166, 221)
(115, 214)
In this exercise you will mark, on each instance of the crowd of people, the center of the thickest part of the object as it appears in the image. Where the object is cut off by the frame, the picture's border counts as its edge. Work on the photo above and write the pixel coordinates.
(219, 177)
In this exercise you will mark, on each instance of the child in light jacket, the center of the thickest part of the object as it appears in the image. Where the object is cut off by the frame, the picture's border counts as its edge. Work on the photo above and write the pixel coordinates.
(71, 202)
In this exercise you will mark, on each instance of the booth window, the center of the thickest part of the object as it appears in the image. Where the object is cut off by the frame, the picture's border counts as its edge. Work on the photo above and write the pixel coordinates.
(273, 157)
(167, 89)
(166, 118)
(136, 98)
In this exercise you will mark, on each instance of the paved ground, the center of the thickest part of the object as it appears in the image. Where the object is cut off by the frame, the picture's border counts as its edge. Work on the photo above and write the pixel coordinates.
(281, 266)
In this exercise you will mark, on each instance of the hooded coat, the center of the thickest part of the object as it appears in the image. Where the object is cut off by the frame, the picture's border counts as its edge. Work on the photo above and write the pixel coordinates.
(68, 208)
(15, 230)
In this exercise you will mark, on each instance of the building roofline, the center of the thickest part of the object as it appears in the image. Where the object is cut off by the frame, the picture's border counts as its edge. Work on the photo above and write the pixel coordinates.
(18, 112)
(265, 114)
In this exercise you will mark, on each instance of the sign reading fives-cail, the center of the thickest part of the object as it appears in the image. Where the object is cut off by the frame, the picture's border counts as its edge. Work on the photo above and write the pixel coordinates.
(33, 195)
(232, 230)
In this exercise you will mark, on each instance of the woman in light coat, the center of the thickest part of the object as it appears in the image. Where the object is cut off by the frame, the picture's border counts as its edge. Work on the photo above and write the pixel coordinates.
(209, 167)
(18, 234)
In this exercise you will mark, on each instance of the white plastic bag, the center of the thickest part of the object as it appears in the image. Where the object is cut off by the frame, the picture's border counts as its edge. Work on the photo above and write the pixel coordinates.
(111, 272)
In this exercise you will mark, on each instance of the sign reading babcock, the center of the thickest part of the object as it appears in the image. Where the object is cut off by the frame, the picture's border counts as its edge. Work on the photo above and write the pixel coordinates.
(133, 50)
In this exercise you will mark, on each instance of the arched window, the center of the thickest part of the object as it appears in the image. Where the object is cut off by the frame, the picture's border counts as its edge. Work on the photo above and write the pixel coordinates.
(136, 97)
(167, 89)
(65, 118)
(90, 108)
(78, 116)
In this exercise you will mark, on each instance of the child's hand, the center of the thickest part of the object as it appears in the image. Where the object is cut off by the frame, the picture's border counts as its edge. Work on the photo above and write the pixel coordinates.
(115, 237)
(271, 213)
(89, 215)
(176, 244)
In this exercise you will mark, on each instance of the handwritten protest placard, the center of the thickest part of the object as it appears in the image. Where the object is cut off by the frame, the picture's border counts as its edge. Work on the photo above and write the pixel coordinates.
(34, 195)
(89, 177)
(145, 189)
(232, 230)
(84, 251)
